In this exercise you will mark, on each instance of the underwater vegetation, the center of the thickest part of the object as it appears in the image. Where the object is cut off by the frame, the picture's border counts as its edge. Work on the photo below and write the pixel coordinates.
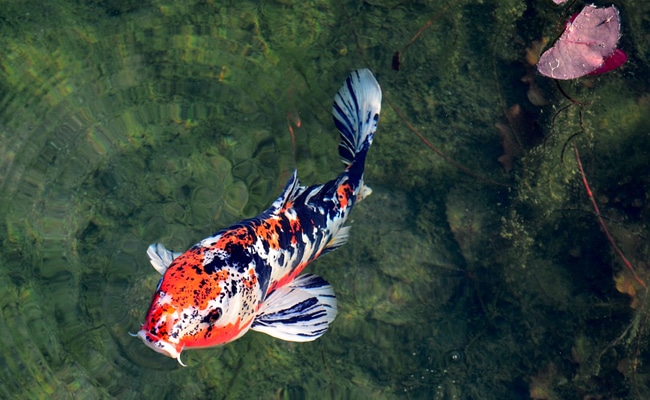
(503, 253)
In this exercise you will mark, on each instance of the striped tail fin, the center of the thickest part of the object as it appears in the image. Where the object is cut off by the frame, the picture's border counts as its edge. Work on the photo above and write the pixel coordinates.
(356, 112)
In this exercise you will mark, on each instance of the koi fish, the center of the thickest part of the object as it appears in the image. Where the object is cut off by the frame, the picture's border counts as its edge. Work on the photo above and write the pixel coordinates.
(247, 276)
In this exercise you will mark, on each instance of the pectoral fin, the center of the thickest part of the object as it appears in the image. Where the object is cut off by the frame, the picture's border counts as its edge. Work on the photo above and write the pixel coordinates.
(298, 312)
(160, 257)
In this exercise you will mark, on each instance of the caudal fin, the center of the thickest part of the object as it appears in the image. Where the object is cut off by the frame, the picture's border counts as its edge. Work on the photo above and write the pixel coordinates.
(356, 112)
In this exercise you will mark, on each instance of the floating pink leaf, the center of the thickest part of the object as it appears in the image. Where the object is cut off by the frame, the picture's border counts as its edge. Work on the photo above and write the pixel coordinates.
(587, 45)
(613, 61)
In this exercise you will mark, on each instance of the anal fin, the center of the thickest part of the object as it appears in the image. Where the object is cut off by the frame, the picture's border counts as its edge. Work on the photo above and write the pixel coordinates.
(338, 240)
(298, 312)
(364, 191)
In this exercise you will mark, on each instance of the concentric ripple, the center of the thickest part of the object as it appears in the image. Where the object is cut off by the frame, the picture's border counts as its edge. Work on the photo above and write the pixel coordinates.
(122, 126)
(125, 122)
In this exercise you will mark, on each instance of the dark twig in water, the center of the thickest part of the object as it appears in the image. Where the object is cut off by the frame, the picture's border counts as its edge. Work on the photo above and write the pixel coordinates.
(566, 143)
(564, 108)
(553, 121)
(571, 99)
(635, 363)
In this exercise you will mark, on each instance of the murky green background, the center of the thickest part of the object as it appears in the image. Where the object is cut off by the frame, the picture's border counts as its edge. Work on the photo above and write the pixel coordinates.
(129, 122)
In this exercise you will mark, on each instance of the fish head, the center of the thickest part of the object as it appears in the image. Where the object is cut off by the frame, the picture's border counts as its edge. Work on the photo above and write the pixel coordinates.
(195, 306)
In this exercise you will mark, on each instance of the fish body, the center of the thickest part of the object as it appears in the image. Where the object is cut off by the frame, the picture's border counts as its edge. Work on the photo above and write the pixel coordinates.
(248, 276)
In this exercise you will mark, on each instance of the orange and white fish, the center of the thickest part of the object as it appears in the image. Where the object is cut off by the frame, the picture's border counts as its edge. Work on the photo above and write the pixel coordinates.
(247, 276)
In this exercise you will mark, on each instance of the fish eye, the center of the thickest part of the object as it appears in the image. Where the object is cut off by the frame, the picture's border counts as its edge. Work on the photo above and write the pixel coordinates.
(213, 316)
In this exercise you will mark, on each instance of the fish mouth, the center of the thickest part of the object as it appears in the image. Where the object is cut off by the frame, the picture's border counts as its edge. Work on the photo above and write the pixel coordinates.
(161, 346)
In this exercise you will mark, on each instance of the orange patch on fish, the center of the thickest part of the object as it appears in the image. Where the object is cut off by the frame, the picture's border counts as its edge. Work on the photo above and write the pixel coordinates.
(221, 275)
(161, 314)
(239, 236)
(270, 231)
(343, 194)
(215, 335)
(295, 229)
(286, 206)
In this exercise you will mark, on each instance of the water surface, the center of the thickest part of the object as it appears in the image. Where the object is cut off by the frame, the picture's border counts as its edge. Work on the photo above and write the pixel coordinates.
(124, 123)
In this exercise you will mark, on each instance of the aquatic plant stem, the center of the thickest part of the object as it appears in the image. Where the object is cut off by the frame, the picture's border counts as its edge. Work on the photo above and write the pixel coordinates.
(293, 137)
(399, 53)
(410, 126)
(426, 26)
(438, 151)
(602, 221)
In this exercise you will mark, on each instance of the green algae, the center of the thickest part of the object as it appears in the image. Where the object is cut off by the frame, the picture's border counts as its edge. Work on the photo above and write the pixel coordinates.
(126, 123)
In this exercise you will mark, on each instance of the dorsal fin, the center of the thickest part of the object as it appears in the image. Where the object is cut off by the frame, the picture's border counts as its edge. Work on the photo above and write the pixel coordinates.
(290, 192)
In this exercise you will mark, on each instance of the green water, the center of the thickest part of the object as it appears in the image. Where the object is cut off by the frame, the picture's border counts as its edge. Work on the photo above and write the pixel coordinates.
(124, 123)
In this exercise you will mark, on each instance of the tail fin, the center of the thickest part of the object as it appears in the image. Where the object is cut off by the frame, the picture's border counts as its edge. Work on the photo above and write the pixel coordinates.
(356, 112)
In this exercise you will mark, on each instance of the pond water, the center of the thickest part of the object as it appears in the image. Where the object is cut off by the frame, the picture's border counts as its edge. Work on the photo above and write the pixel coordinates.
(478, 268)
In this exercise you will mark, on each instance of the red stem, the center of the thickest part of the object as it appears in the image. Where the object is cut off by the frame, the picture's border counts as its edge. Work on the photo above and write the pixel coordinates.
(426, 26)
(602, 221)
(438, 151)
